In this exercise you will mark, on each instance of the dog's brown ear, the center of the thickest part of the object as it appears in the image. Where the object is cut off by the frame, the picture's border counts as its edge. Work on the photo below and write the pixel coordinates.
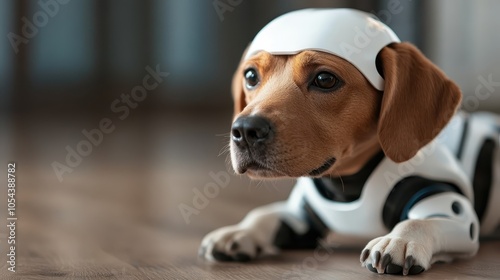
(418, 101)
(237, 91)
(237, 88)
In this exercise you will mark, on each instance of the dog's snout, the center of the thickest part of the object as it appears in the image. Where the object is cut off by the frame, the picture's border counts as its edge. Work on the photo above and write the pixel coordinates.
(250, 130)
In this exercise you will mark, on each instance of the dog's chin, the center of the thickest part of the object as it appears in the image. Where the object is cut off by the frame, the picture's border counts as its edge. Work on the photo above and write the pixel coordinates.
(264, 174)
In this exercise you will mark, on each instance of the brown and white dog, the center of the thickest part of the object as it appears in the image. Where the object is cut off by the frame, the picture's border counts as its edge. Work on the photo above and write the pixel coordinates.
(314, 115)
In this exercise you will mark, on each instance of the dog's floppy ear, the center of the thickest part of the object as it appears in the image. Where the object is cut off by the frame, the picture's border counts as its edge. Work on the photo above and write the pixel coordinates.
(418, 101)
(237, 87)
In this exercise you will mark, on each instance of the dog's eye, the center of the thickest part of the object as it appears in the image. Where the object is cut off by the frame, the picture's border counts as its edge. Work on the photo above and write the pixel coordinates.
(251, 78)
(325, 80)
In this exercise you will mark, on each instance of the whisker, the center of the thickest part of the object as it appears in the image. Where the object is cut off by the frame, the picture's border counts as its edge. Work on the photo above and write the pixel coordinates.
(227, 134)
(259, 183)
(224, 150)
(274, 185)
(341, 181)
(229, 166)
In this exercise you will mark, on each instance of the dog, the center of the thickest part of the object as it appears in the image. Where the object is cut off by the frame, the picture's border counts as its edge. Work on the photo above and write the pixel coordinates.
(370, 128)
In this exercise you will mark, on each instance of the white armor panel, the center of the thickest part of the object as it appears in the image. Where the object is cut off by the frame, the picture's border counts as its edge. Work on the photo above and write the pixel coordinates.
(480, 127)
(458, 220)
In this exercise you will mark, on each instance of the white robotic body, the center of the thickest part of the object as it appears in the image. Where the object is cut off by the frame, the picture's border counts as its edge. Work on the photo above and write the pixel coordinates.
(460, 227)
(295, 205)
(451, 134)
(485, 126)
(491, 217)
(435, 162)
(363, 218)
(355, 218)
(350, 34)
(481, 126)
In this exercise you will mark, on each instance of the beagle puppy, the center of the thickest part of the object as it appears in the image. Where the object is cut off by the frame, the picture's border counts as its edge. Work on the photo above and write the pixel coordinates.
(369, 127)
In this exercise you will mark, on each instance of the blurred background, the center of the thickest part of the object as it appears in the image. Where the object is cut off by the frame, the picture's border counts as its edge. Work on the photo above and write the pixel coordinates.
(64, 63)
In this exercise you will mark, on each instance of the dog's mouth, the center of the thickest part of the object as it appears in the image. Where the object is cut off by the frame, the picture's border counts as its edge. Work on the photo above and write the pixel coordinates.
(257, 168)
(253, 165)
(318, 171)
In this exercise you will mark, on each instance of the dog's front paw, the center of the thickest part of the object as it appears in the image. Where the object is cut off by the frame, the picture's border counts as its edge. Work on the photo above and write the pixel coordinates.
(396, 255)
(233, 243)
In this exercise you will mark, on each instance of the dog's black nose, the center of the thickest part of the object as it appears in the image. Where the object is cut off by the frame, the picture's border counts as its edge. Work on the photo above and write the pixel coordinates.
(250, 130)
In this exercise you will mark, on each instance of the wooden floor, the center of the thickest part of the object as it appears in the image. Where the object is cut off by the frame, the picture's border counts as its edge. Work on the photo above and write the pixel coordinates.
(116, 216)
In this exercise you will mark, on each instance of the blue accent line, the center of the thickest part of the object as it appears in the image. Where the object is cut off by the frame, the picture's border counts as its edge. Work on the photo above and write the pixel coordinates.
(421, 194)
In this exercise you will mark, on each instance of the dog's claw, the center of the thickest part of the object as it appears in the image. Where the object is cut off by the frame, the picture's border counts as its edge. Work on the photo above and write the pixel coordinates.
(376, 258)
(408, 264)
(410, 268)
(364, 255)
(386, 259)
(234, 246)
(377, 263)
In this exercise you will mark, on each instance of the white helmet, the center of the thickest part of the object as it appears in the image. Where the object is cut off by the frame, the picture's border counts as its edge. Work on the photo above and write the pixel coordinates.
(353, 35)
